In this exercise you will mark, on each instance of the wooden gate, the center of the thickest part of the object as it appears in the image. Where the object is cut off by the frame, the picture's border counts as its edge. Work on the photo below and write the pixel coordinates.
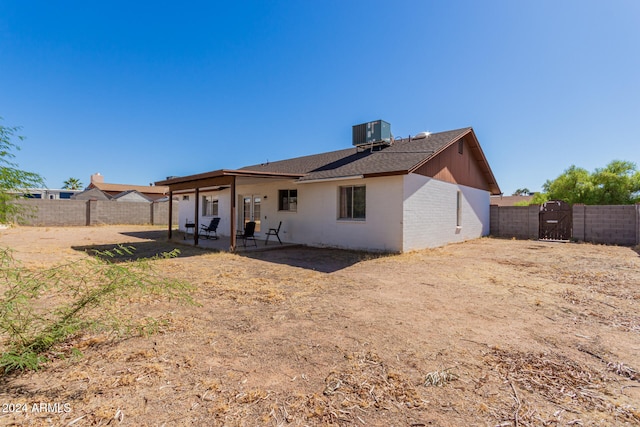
(555, 221)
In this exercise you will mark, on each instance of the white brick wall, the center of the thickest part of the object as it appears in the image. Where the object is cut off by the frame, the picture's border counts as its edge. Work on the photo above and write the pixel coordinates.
(428, 219)
(430, 213)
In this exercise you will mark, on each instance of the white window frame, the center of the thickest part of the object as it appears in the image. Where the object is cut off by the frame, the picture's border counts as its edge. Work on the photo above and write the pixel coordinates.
(209, 206)
(347, 203)
(291, 206)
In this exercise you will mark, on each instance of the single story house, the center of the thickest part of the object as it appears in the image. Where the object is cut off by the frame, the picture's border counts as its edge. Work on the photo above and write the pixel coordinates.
(143, 193)
(46, 193)
(392, 196)
(92, 194)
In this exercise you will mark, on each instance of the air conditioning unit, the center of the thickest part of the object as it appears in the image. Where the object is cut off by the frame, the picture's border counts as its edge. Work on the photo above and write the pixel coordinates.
(373, 133)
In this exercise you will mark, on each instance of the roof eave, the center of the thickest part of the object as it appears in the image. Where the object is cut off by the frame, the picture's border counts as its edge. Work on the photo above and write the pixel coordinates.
(484, 163)
(226, 172)
(219, 177)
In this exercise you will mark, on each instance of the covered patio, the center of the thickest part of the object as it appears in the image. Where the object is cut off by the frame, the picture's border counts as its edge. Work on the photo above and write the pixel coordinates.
(216, 181)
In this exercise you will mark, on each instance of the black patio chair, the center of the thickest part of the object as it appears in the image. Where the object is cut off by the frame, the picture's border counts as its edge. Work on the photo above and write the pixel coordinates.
(273, 232)
(210, 231)
(248, 234)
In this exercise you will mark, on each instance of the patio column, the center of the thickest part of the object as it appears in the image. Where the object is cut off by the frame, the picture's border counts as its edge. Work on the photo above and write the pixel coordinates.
(195, 218)
(232, 248)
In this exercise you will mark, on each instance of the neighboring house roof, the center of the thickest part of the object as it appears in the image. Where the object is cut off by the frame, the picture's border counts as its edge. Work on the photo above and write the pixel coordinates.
(509, 200)
(132, 196)
(151, 191)
(92, 193)
(402, 157)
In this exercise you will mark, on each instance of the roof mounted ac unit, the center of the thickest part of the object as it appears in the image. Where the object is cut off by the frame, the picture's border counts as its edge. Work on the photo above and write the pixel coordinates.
(373, 133)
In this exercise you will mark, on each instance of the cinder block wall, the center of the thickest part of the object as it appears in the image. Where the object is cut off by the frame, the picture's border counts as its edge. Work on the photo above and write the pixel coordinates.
(108, 212)
(618, 225)
(44, 212)
(520, 222)
(606, 224)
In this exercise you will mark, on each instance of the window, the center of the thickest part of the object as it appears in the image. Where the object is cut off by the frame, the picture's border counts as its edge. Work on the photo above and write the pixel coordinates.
(209, 206)
(461, 146)
(288, 200)
(459, 209)
(352, 202)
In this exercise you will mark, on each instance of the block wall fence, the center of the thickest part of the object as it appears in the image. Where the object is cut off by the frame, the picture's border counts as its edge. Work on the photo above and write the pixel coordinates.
(43, 212)
(616, 224)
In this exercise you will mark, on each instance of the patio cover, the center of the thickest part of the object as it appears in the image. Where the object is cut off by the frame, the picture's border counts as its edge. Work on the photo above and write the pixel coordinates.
(217, 179)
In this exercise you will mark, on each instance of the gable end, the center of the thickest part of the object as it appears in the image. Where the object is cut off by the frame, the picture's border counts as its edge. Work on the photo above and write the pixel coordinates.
(461, 162)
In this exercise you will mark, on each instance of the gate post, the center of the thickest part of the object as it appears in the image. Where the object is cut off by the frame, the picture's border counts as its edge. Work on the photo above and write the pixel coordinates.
(534, 221)
(637, 223)
(494, 220)
(579, 221)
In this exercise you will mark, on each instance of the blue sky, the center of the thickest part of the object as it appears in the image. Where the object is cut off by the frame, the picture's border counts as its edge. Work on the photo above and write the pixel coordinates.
(139, 91)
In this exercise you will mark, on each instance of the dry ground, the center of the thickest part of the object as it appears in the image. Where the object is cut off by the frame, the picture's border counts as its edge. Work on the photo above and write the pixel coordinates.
(489, 332)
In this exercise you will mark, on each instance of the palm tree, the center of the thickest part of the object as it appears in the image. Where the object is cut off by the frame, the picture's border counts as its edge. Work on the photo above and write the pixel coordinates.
(72, 184)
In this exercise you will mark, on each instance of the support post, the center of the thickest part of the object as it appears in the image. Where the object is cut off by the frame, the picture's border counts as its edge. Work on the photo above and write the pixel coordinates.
(195, 218)
(233, 219)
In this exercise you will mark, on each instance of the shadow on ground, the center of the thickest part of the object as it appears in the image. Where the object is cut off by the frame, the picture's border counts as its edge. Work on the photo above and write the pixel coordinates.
(324, 260)
(317, 259)
(131, 251)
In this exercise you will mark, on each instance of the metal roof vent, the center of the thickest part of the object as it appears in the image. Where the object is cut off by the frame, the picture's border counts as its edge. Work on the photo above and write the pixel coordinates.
(372, 134)
(422, 135)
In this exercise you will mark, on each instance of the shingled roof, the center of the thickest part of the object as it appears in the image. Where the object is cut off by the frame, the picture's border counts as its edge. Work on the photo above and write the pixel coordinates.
(402, 157)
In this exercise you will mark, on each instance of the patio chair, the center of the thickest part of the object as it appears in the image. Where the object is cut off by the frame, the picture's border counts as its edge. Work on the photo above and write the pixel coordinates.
(273, 232)
(248, 234)
(210, 231)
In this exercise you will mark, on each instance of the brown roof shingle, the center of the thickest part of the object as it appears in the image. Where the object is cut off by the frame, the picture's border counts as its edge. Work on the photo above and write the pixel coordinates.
(400, 157)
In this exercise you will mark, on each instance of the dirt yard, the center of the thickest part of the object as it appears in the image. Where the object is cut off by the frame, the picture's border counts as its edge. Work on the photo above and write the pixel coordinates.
(489, 332)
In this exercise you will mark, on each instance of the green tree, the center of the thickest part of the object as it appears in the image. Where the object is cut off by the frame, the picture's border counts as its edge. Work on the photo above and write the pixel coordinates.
(521, 192)
(616, 184)
(72, 184)
(13, 180)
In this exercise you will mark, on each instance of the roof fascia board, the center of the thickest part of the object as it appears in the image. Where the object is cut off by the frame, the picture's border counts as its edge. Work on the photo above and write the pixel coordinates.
(225, 173)
(382, 174)
(200, 183)
(335, 178)
(493, 183)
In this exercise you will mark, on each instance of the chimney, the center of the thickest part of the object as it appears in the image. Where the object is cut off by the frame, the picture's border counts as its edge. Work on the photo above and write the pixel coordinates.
(96, 178)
